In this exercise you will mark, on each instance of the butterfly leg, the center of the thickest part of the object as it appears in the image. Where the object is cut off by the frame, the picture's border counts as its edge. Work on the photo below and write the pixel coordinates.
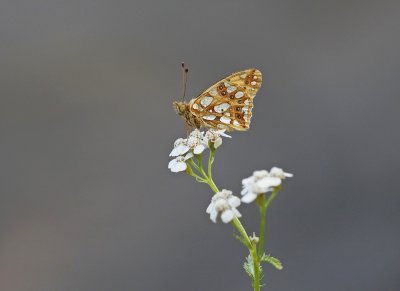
(188, 128)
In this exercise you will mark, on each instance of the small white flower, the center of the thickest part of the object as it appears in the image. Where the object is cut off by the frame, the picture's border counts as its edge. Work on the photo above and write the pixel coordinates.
(180, 148)
(214, 136)
(279, 173)
(224, 203)
(196, 134)
(179, 163)
(196, 141)
(262, 182)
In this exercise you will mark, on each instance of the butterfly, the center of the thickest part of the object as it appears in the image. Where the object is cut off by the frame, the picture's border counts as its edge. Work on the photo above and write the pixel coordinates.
(225, 105)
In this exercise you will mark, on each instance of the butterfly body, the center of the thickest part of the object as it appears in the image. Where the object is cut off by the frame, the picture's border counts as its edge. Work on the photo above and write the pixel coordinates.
(225, 105)
(183, 109)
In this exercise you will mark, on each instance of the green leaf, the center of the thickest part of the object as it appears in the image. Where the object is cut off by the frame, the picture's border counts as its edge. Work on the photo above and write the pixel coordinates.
(249, 268)
(273, 261)
(239, 238)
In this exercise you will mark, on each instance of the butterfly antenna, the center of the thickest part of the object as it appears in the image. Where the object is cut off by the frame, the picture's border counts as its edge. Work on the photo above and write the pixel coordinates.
(184, 75)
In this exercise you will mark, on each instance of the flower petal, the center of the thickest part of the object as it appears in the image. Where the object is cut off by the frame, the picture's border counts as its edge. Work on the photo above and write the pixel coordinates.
(260, 174)
(245, 190)
(179, 141)
(174, 152)
(179, 167)
(249, 197)
(279, 173)
(199, 149)
(188, 156)
(183, 149)
(236, 212)
(222, 133)
(179, 150)
(171, 163)
(210, 208)
(227, 216)
(213, 216)
(234, 201)
(248, 180)
(269, 182)
(218, 142)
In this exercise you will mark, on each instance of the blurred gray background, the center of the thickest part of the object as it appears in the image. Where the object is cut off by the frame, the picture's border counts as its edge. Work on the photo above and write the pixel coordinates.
(86, 123)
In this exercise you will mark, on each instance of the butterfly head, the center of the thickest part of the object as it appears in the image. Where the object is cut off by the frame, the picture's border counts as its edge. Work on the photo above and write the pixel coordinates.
(180, 107)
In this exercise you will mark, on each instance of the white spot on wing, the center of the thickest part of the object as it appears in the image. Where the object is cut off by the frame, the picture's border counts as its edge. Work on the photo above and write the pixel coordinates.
(213, 92)
(221, 126)
(221, 107)
(239, 94)
(243, 76)
(195, 106)
(253, 83)
(225, 120)
(206, 101)
(230, 89)
(209, 117)
(236, 123)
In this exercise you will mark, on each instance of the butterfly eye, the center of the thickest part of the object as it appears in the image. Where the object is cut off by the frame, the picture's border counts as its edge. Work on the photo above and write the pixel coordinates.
(238, 116)
(232, 96)
(239, 101)
(221, 86)
(237, 108)
(223, 93)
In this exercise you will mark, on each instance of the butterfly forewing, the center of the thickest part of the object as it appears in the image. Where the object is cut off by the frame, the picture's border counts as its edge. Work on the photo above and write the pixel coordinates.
(228, 103)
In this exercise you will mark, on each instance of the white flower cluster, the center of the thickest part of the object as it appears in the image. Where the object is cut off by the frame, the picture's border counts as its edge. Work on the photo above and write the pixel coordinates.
(262, 182)
(224, 203)
(194, 144)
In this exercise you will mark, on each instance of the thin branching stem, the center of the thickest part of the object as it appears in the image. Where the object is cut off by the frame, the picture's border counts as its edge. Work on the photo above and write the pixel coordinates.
(207, 178)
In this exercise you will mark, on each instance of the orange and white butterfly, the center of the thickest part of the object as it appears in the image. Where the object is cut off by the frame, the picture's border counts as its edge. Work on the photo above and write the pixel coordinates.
(225, 105)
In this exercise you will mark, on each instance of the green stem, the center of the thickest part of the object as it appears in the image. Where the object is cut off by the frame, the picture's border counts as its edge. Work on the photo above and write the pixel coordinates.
(252, 250)
(190, 172)
(200, 167)
(263, 204)
(210, 160)
(194, 165)
(263, 211)
(212, 185)
(209, 167)
(256, 266)
(238, 225)
(206, 177)
(198, 178)
(272, 196)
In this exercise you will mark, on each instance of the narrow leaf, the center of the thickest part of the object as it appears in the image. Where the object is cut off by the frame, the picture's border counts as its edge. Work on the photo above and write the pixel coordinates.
(273, 261)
